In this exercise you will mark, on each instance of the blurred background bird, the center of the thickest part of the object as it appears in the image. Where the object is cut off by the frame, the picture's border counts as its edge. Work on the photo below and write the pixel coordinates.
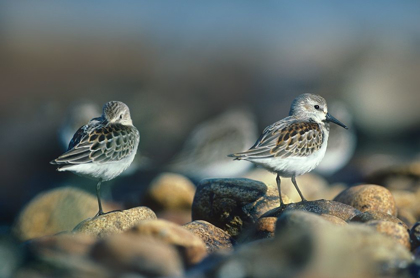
(203, 154)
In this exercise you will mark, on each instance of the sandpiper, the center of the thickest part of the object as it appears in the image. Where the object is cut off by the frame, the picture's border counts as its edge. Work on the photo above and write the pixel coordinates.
(204, 152)
(296, 144)
(103, 148)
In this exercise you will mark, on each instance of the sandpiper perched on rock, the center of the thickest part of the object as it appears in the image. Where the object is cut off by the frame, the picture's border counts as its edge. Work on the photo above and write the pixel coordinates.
(103, 148)
(296, 144)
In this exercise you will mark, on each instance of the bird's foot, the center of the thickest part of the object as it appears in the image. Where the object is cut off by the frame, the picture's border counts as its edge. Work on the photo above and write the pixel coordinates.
(103, 213)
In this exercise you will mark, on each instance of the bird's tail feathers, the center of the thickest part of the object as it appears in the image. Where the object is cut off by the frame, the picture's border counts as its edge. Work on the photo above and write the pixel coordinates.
(251, 154)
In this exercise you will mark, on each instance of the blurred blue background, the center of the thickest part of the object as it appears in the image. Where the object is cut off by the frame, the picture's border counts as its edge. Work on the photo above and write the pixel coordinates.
(178, 63)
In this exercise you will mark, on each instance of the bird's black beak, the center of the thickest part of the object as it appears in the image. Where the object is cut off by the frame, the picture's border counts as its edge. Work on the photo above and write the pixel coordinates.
(331, 119)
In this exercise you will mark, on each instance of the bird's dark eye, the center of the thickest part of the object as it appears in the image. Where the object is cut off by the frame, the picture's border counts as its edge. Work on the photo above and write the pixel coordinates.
(316, 107)
(121, 117)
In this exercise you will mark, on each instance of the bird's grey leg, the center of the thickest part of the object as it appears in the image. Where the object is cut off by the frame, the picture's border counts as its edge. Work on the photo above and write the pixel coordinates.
(297, 188)
(278, 186)
(98, 194)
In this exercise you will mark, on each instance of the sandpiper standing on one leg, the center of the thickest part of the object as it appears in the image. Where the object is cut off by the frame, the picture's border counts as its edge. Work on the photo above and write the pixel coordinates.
(296, 144)
(103, 148)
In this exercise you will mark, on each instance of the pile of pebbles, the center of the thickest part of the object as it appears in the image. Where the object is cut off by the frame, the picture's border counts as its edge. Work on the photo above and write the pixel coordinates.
(221, 228)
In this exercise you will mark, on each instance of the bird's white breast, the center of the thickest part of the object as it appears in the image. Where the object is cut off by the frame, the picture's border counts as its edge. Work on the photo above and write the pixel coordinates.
(297, 165)
(102, 171)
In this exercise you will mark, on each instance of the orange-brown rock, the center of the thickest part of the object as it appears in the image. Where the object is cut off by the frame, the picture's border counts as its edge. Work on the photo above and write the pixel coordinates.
(393, 230)
(55, 211)
(369, 197)
(170, 191)
(114, 222)
(214, 237)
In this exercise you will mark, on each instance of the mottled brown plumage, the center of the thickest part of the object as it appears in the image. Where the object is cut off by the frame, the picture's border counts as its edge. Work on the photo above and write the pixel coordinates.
(296, 144)
(99, 143)
(103, 148)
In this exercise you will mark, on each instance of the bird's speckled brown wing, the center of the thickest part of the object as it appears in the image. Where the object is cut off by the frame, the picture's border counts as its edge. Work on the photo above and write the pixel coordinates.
(284, 139)
(100, 144)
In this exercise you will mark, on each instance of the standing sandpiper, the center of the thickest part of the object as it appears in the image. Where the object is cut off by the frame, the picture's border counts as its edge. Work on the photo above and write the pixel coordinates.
(103, 148)
(296, 144)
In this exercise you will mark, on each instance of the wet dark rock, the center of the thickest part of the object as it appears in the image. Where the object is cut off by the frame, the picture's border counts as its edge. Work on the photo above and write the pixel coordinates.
(114, 222)
(228, 203)
(215, 238)
(415, 237)
(369, 197)
(320, 207)
(191, 246)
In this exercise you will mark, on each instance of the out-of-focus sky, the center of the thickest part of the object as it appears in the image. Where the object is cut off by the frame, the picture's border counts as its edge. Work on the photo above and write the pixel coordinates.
(178, 63)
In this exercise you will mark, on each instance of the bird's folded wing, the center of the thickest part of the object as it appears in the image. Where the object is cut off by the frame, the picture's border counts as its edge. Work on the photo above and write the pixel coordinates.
(103, 144)
(284, 139)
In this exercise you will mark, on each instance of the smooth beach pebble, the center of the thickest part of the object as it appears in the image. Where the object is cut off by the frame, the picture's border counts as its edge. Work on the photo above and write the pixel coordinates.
(114, 222)
(55, 211)
(368, 197)
(170, 191)
(214, 237)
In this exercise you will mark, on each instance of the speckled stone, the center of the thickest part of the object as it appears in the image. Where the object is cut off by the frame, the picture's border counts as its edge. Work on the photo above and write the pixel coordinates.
(225, 203)
(55, 211)
(369, 197)
(114, 222)
(192, 247)
(214, 237)
(170, 191)
(393, 230)
(319, 207)
(376, 215)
